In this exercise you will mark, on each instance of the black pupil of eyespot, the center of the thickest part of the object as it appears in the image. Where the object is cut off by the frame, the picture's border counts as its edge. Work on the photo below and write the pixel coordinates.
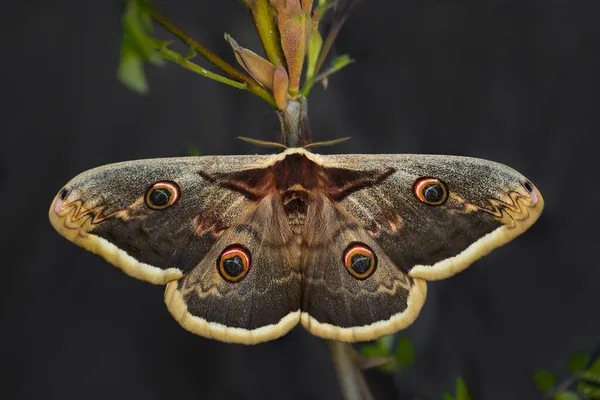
(63, 193)
(360, 263)
(160, 197)
(433, 193)
(233, 266)
(528, 186)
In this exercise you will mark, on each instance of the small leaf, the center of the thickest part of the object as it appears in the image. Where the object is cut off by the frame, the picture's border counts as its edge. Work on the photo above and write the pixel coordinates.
(322, 8)
(589, 381)
(386, 343)
(260, 69)
(161, 44)
(193, 151)
(462, 393)
(146, 21)
(312, 54)
(544, 380)
(341, 61)
(595, 367)
(578, 361)
(135, 33)
(190, 54)
(131, 70)
(405, 353)
(590, 376)
(589, 391)
(372, 350)
(447, 396)
(566, 395)
(338, 63)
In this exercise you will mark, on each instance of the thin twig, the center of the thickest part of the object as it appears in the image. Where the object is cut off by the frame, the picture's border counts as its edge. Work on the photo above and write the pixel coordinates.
(217, 61)
(179, 59)
(352, 381)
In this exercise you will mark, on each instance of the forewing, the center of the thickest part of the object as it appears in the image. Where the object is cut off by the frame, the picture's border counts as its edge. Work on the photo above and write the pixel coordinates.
(103, 210)
(489, 204)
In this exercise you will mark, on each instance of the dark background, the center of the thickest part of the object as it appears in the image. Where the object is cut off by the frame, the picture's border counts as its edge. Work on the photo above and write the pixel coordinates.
(511, 81)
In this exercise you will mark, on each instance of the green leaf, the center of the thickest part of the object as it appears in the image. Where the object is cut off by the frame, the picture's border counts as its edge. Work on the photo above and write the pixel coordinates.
(589, 391)
(462, 393)
(190, 54)
(578, 362)
(338, 63)
(373, 350)
(386, 343)
(544, 380)
(131, 70)
(322, 8)
(589, 381)
(193, 151)
(146, 19)
(378, 350)
(566, 395)
(590, 376)
(312, 54)
(136, 34)
(405, 353)
(595, 367)
(447, 396)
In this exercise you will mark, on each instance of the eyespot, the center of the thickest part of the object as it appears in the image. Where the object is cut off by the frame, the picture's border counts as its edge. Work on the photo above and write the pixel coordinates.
(64, 193)
(528, 186)
(60, 198)
(360, 261)
(430, 191)
(162, 195)
(234, 263)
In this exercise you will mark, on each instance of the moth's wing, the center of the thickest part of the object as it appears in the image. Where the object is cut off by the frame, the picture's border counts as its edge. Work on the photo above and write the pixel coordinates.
(103, 210)
(369, 199)
(489, 204)
(265, 304)
(338, 306)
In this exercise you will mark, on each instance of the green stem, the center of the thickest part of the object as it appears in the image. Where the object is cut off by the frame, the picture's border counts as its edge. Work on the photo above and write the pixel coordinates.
(179, 59)
(263, 15)
(217, 61)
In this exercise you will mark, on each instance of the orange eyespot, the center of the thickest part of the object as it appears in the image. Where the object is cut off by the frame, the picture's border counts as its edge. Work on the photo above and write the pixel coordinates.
(162, 195)
(430, 191)
(360, 261)
(234, 263)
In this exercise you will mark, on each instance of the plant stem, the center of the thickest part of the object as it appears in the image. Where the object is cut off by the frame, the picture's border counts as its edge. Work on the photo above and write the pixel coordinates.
(263, 15)
(179, 59)
(217, 61)
(351, 379)
(295, 126)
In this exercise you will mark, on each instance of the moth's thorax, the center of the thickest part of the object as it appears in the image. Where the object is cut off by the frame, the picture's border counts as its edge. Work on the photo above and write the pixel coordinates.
(295, 202)
(295, 180)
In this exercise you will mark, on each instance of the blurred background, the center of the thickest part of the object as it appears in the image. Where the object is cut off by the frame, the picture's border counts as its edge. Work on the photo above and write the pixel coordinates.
(511, 81)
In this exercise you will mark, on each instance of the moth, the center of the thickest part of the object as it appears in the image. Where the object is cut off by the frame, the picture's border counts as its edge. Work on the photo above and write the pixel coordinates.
(251, 245)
